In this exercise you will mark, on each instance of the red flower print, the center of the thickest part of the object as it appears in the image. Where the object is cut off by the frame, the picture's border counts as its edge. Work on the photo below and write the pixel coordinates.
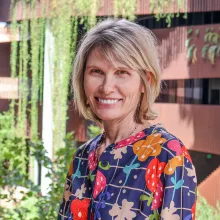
(186, 154)
(193, 210)
(153, 172)
(79, 209)
(158, 196)
(130, 140)
(92, 160)
(100, 184)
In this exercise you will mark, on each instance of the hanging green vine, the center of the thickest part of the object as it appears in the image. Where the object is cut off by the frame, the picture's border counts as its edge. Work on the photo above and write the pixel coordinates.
(162, 9)
(13, 61)
(23, 78)
(18, 128)
(37, 26)
(62, 32)
(125, 8)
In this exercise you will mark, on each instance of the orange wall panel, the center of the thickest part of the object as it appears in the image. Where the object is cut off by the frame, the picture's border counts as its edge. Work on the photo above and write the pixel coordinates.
(210, 189)
(173, 53)
(197, 126)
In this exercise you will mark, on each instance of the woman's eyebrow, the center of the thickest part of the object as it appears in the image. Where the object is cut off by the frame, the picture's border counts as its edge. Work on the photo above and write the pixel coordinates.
(115, 68)
(92, 66)
(123, 68)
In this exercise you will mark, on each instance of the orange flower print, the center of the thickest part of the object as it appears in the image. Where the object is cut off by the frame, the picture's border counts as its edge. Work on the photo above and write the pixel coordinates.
(70, 172)
(173, 163)
(149, 147)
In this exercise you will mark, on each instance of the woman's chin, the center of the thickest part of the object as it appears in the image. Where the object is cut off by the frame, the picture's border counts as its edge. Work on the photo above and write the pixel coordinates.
(107, 117)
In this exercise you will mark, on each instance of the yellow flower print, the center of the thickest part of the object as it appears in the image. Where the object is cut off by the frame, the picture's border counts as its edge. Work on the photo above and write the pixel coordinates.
(149, 147)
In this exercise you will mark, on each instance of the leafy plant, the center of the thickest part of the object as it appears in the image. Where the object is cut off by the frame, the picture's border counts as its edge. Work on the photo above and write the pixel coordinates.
(190, 45)
(162, 9)
(34, 205)
(206, 211)
(125, 8)
(93, 131)
(211, 48)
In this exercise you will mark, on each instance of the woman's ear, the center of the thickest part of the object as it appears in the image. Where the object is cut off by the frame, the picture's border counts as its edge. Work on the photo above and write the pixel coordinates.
(148, 76)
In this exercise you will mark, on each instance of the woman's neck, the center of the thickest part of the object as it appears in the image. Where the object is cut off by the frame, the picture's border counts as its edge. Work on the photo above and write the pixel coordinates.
(119, 130)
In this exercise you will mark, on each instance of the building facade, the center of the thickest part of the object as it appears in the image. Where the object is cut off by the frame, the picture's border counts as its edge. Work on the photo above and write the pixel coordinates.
(189, 104)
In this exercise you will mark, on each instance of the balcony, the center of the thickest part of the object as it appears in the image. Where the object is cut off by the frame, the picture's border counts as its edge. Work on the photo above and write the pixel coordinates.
(6, 35)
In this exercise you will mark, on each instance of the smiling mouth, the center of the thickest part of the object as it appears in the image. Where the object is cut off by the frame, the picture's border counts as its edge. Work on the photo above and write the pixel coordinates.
(108, 101)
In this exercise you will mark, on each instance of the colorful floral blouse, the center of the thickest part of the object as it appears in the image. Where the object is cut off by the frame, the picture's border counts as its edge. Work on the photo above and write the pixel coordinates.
(146, 176)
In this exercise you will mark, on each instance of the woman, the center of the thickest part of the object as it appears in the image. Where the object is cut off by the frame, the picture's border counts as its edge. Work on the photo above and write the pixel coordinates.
(133, 170)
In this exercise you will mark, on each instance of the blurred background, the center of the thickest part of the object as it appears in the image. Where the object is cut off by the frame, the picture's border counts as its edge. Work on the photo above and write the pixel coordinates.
(39, 128)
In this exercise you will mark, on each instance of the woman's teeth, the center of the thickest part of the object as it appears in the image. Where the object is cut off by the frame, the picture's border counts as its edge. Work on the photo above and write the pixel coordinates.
(108, 101)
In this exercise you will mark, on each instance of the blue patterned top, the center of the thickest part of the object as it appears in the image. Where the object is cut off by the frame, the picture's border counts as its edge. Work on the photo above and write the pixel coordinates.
(146, 176)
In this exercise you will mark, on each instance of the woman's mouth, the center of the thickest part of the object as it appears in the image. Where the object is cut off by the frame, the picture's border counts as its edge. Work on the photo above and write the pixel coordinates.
(108, 101)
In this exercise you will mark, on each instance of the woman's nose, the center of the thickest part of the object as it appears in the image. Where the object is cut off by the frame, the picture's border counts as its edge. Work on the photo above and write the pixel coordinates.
(108, 85)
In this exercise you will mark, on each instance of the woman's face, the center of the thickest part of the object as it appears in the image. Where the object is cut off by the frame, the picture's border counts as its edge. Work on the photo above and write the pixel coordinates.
(113, 94)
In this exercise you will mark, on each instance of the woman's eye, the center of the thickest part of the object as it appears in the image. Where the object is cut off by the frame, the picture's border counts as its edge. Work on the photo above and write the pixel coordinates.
(122, 72)
(96, 71)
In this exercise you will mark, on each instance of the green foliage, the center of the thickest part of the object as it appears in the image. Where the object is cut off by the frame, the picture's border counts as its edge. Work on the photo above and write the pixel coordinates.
(204, 50)
(34, 205)
(125, 8)
(12, 147)
(187, 43)
(164, 9)
(190, 31)
(211, 48)
(64, 29)
(23, 79)
(93, 131)
(37, 32)
(206, 211)
(190, 46)
(197, 32)
(211, 53)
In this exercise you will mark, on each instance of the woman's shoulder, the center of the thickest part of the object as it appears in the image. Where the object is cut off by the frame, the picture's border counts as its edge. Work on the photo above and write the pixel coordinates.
(168, 143)
(160, 129)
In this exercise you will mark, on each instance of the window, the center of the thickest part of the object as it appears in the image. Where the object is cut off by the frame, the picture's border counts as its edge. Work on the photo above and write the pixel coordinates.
(193, 18)
(190, 91)
(168, 92)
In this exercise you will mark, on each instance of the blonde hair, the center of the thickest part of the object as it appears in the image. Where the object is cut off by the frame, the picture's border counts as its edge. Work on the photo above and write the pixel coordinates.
(127, 43)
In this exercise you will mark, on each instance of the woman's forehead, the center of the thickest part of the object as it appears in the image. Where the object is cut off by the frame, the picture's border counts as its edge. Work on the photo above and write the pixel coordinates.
(98, 57)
